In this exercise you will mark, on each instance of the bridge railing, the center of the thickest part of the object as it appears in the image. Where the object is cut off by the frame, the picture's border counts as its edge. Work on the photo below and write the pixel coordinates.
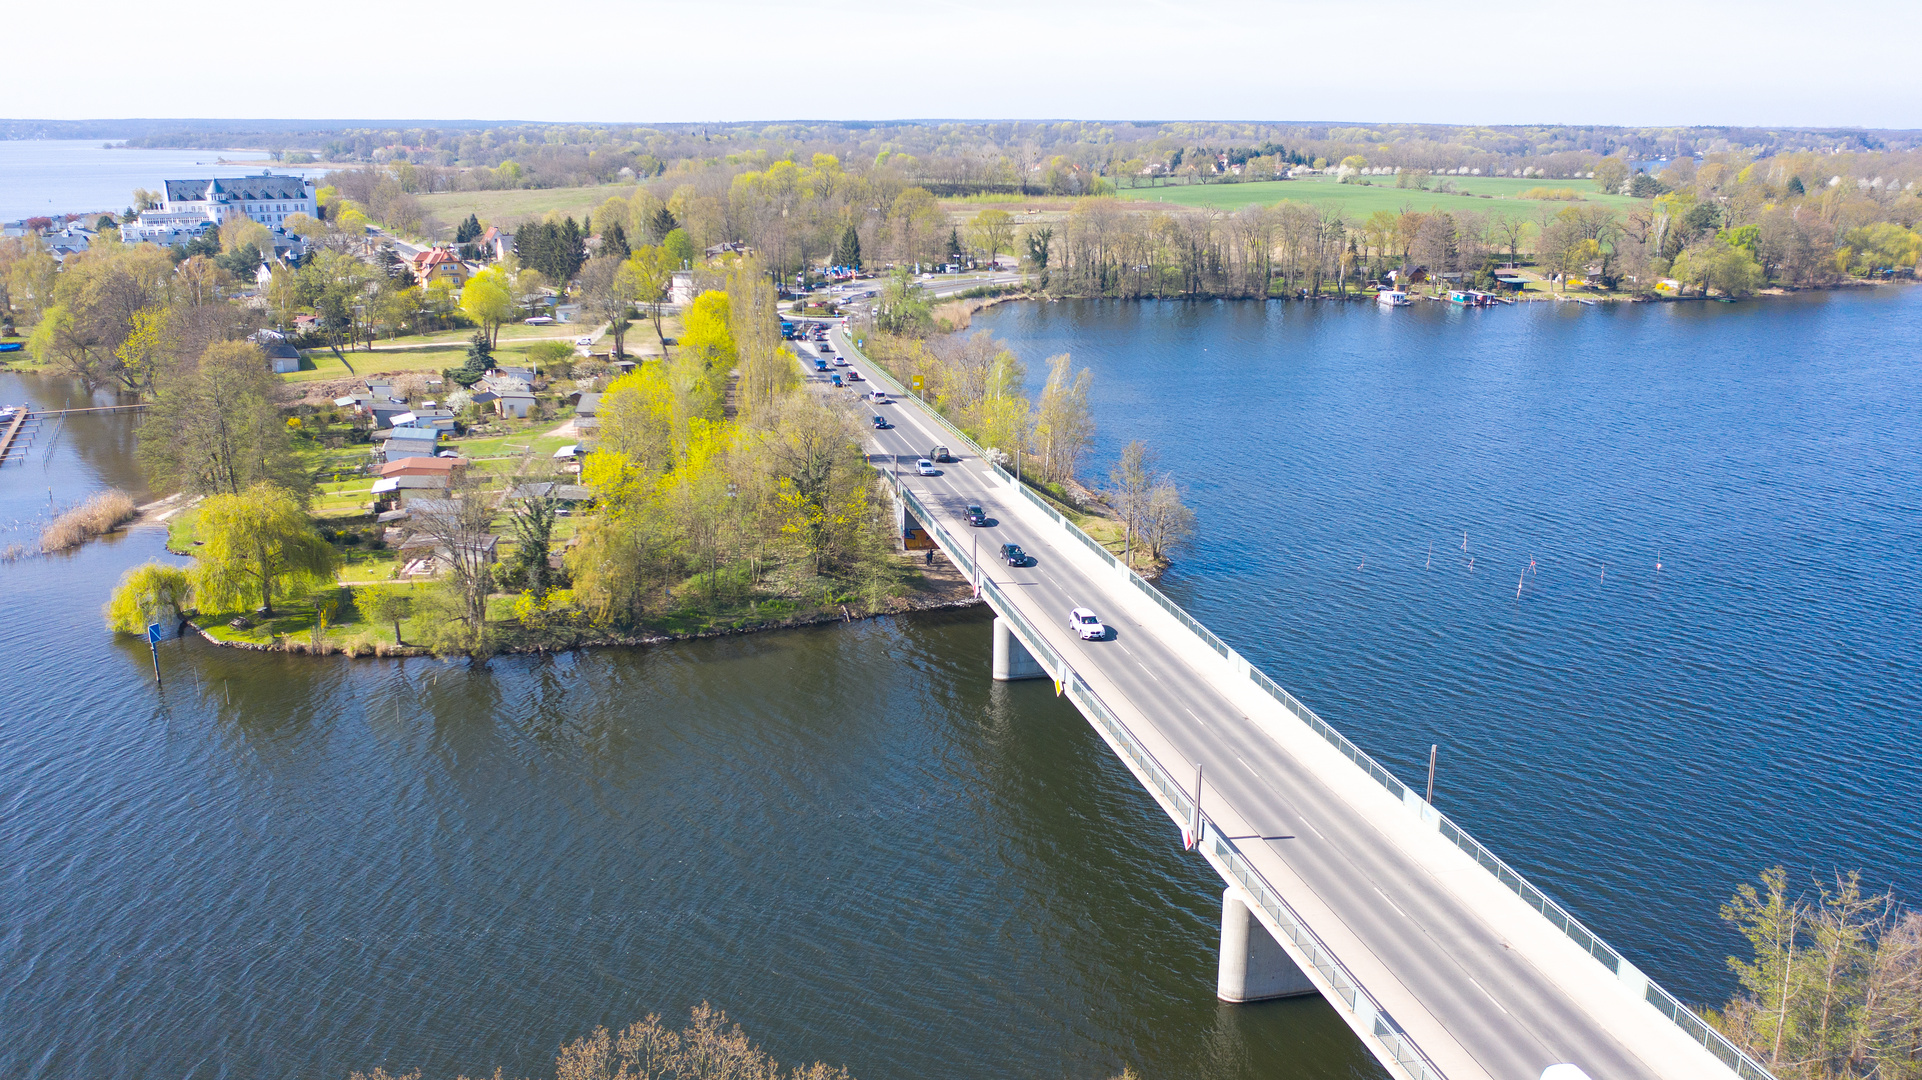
(1351, 995)
(1680, 1015)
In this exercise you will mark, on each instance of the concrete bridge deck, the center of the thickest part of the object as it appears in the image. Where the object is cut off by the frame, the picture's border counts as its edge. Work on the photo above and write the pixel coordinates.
(1443, 960)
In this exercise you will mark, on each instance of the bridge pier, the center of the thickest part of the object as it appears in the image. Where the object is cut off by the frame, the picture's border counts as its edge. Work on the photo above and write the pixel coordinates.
(1011, 658)
(1253, 965)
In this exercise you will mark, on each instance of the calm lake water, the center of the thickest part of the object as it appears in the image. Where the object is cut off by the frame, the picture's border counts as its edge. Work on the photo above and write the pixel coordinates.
(862, 849)
(43, 177)
(1637, 741)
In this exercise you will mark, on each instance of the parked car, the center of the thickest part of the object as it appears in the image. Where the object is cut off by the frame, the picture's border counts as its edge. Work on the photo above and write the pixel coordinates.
(925, 467)
(940, 453)
(976, 516)
(539, 320)
(1014, 556)
(1083, 622)
(881, 422)
(449, 453)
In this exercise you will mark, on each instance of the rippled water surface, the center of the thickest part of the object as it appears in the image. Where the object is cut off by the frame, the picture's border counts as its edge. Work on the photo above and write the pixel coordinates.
(866, 852)
(1638, 741)
(848, 838)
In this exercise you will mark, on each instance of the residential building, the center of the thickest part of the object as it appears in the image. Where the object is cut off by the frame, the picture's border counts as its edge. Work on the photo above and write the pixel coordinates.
(436, 264)
(282, 357)
(191, 207)
(680, 291)
(516, 405)
(410, 442)
(422, 466)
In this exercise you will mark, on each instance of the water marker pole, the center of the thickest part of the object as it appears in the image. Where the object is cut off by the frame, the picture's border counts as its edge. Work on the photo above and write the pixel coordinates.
(1432, 748)
(153, 647)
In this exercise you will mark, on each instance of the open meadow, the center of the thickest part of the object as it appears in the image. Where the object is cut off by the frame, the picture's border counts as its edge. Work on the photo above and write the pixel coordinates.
(1484, 194)
(506, 207)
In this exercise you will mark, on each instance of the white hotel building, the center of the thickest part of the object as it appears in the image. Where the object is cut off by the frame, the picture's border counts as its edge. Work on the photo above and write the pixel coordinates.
(190, 207)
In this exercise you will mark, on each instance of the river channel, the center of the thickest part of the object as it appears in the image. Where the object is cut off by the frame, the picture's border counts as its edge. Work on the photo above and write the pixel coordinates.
(869, 854)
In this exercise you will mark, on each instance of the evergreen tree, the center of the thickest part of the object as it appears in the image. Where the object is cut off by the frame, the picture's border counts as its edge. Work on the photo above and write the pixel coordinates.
(955, 251)
(848, 251)
(662, 223)
(614, 242)
(1795, 186)
(534, 245)
(480, 357)
(468, 231)
(570, 252)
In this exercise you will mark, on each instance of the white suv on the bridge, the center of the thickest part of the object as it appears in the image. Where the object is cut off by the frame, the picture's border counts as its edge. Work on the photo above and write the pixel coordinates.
(1083, 622)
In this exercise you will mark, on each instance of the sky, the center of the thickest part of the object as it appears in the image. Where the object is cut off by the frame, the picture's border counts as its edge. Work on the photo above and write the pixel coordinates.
(1754, 62)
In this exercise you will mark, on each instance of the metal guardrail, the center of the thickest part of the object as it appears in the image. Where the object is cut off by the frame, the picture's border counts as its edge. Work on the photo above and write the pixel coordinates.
(1665, 1003)
(1350, 993)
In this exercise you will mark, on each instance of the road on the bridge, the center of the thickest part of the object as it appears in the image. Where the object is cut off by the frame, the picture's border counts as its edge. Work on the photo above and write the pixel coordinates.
(1480, 1006)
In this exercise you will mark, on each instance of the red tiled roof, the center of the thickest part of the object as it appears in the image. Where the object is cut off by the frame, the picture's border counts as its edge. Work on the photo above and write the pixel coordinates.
(415, 466)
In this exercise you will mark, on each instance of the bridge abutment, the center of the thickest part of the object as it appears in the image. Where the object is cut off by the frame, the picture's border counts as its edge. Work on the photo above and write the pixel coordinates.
(1011, 658)
(1253, 965)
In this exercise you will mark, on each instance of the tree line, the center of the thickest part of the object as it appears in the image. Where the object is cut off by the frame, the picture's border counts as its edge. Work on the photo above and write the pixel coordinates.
(1731, 225)
(1833, 986)
(981, 386)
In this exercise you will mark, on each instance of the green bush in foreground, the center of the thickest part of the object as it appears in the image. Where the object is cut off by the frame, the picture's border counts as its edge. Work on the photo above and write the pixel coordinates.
(147, 594)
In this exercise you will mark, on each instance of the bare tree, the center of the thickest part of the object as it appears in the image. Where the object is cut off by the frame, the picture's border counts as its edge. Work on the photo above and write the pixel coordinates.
(1063, 425)
(1167, 523)
(1134, 480)
(458, 527)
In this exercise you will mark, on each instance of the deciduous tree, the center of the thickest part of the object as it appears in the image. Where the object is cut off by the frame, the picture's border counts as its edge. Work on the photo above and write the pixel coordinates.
(257, 545)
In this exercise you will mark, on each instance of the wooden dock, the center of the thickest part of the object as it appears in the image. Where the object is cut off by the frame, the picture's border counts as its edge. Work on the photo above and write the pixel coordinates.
(20, 427)
(14, 426)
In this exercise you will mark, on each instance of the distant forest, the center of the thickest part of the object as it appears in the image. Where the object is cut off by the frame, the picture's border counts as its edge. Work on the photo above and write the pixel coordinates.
(947, 157)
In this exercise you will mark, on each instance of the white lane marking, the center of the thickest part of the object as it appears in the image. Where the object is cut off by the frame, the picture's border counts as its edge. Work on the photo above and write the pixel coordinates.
(1391, 903)
(1200, 721)
(1479, 986)
(1271, 787)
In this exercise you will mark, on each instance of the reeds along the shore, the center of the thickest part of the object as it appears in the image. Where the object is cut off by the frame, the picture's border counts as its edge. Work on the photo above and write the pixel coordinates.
(101, 513)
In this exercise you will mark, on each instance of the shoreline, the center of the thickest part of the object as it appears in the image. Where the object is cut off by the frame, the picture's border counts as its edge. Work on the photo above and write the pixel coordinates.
(609, 642)
(1585, 298)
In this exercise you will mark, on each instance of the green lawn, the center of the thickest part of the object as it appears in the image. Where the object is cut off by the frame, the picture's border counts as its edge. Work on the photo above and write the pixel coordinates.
(501, 207)
(1356, 201)
(510, 446)
(327, 366)
(509, 332)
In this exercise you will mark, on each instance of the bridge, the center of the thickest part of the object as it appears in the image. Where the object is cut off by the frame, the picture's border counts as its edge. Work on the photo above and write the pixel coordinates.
(1340, 879)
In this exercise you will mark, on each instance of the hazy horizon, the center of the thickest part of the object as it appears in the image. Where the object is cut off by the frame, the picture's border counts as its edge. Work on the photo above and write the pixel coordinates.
(1765, 63)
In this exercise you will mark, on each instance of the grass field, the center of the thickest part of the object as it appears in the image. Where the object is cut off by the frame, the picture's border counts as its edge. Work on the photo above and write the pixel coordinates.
(502, 207)
(1356, 201)
(327, 366)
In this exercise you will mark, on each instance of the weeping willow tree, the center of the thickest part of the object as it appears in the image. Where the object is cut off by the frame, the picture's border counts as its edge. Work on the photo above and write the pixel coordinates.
(149, 594)
(255, 545)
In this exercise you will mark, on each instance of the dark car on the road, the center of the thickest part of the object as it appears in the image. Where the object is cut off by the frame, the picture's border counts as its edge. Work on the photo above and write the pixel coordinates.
(976, 516)
(880, 421)
(1015, 556)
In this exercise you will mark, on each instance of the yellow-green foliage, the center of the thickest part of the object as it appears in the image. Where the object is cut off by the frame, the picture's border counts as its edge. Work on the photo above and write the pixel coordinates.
(149, 593)
(706, 333)
(1561, 194)
(255, 544)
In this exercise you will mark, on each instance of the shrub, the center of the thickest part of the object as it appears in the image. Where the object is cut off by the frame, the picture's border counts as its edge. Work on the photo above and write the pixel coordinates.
(1561, 194)
(147, 594)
